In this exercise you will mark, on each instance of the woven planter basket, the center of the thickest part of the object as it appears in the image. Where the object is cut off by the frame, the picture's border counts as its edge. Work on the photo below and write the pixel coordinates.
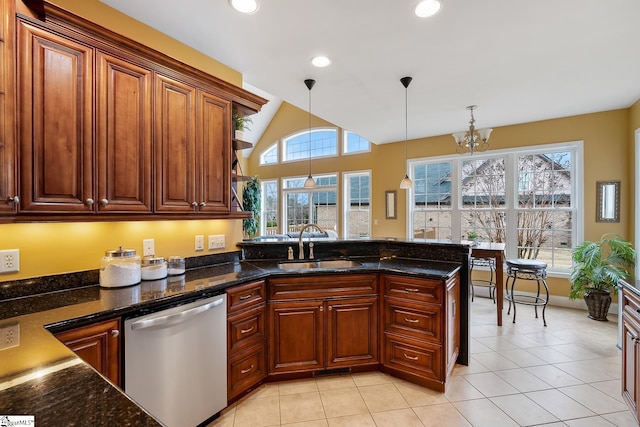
(598, 303)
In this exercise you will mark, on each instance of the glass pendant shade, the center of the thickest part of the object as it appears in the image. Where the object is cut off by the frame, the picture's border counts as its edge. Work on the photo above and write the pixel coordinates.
(309, 182)
(406, 183)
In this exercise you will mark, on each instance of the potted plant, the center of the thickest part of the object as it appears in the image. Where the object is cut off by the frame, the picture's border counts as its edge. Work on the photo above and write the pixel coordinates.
(598, 268)
(473, 236)
(240, 123)
(251, 198)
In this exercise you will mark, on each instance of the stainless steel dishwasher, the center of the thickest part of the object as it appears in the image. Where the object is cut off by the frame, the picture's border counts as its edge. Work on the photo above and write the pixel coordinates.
(176, 361)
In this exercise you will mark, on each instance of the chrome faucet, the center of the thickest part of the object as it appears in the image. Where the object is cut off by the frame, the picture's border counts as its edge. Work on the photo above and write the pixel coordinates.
(301, 245)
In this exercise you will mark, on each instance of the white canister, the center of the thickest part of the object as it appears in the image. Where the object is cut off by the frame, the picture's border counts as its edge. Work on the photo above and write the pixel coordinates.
(120, 267)
(176, 265)
(154, 268)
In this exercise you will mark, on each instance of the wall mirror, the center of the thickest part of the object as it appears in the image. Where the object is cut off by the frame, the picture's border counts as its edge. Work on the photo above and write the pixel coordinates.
(390, 199)
(608, 209)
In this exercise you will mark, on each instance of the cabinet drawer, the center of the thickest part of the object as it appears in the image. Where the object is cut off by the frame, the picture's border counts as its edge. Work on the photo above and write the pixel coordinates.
(413, 356)
(246, 328)
(416, 320)
(245, 370)
(327, 286)
(631, 304)
(245, 296)
(424, 290)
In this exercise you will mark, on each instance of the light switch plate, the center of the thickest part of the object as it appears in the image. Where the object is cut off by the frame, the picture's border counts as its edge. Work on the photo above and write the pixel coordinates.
(216, 241)
(199, 243)
(148, 247)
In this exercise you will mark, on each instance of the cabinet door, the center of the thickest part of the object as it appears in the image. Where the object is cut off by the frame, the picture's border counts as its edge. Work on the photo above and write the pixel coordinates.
(55, 122)
(352, 332)
(175, 146)
(630, 362)
(8, 188)
(98, 345)
(296, 340)
(123, 136)
(214, 161)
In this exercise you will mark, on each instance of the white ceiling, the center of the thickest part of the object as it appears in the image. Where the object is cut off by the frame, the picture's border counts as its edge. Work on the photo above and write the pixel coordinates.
(519, 61)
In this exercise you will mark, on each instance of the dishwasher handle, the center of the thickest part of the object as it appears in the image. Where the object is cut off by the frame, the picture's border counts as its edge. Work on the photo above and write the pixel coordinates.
(174, 319)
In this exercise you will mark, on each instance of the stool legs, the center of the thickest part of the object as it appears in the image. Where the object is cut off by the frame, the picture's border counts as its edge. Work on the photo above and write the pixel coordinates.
(536, 301)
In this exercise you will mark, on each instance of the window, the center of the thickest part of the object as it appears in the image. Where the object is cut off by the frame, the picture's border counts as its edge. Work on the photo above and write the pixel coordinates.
(324, 143)
(357, 201)
(528, 199)
(354, 143)
(269, 214)
(310, 205)
(270, 155)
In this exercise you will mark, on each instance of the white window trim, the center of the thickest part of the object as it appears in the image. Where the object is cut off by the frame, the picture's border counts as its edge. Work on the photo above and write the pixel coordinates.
(346, 194)
(511, 202)
(263, 219)
(284, 191)
(275, 144)
(343, 143)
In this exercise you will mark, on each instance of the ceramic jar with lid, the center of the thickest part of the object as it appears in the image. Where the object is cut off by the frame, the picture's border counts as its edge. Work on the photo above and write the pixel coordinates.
(154, 268)
(120, 267)
(176, 265)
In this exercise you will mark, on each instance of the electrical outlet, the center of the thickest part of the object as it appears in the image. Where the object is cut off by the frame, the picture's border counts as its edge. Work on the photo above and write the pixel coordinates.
(216, 241)
(148, 247)
(199, 243)
(9, 335)
(9, 261)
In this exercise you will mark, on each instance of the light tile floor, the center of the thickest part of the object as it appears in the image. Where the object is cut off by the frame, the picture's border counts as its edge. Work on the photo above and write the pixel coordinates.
(523, 374)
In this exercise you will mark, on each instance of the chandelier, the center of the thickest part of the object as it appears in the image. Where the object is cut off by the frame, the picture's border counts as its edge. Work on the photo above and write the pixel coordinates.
(473, 140)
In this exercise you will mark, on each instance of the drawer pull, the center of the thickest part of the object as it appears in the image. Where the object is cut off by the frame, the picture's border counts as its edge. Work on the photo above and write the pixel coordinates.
(244, 331)
(406, 319)
(410, 357)
(412, 289)
(249, 369)
(244, 297)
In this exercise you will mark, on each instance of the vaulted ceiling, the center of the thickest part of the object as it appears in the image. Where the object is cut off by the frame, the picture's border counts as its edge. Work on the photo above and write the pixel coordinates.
(519, 61)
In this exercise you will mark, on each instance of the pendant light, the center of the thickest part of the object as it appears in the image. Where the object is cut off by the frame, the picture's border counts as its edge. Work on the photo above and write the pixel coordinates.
(309, 182)
(406, 181)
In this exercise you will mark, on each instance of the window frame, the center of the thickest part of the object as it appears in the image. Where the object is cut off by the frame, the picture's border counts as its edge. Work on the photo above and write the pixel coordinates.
(346, 201)
(269, 148)
(317, 189)
(286, 139)
(344, 150)
(263, 216)
(511, 191)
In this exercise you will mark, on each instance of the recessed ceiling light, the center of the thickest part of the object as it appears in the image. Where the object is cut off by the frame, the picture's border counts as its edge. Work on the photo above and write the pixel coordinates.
(244, 6)
(427, 8)
(320, 61)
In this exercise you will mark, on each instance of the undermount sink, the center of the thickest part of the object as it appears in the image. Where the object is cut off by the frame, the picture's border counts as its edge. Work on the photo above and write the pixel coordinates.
(303, 265)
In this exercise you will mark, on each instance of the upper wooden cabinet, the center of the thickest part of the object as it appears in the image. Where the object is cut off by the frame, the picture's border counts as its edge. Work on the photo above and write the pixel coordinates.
(55, 120)
(9, 198)
(110, 129)
(193, 163)
(123, 137)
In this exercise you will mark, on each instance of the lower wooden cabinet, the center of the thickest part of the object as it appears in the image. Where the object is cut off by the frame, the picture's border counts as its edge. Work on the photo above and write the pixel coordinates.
(630, 306)
(99, 345)
(421, 328)
(310, 329)
(246, 338)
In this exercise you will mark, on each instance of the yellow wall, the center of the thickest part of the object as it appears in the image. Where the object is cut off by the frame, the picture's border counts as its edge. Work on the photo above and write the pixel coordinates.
(47, 249)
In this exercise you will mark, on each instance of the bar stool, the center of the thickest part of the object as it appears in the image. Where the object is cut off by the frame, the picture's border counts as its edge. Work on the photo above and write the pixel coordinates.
(490, 263)
(527, 269)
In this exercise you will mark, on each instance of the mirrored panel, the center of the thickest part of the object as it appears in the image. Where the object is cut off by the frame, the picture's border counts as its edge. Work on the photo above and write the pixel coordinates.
(608, 194)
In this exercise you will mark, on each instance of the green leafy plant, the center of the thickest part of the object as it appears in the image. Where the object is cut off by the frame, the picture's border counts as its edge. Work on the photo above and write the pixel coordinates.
(251, 200)
(240, 122)
(600, 265)
(472, 235)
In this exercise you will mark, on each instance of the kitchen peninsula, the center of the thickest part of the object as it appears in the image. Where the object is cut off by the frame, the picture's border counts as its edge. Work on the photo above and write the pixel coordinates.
(43, 377)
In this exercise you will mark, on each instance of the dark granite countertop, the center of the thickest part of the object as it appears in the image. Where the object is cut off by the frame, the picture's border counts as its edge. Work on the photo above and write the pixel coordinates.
(42, 377)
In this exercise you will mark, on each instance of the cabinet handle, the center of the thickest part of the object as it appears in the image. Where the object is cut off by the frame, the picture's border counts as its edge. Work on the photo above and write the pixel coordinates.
(194, 205)
(14, 199)
(244, 331)
(330, 308)
(203, 204)
(115, 332)
(410, 357)
(453, 308)
(244, 297)
(89, 201)
(412, 289)
(406, 319)
(249, 369)
(104, 202)
(321, 308)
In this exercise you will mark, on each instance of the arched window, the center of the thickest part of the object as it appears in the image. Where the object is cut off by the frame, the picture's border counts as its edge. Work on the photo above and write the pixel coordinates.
(324, 143)
(354, 143)
(270, 155)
